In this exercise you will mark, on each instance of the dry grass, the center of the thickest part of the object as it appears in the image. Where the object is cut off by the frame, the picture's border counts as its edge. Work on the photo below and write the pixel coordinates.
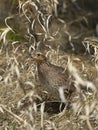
(22, 106)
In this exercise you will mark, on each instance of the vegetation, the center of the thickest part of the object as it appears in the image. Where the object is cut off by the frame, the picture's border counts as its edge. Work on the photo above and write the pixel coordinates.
(66, 31)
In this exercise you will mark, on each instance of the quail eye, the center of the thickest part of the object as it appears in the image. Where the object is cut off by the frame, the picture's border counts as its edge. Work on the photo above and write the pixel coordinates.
(38, 54)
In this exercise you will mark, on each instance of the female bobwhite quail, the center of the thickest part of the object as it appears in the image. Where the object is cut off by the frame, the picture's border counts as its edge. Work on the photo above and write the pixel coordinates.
(52, 77)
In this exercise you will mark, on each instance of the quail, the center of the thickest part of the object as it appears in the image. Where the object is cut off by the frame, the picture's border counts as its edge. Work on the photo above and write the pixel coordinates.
(52, 77)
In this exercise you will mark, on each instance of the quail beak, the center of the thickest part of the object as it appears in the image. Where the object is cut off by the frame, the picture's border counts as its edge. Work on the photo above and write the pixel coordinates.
(33, 57)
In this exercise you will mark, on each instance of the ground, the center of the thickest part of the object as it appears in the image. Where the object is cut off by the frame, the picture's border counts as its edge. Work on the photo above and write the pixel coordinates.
(57, 28)
(19, 92)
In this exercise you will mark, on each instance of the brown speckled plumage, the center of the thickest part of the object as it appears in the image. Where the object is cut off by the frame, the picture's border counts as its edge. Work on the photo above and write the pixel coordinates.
(52, 77)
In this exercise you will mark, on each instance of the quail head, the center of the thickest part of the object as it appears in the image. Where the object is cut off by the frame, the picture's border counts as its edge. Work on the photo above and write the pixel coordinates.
(52, 77)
